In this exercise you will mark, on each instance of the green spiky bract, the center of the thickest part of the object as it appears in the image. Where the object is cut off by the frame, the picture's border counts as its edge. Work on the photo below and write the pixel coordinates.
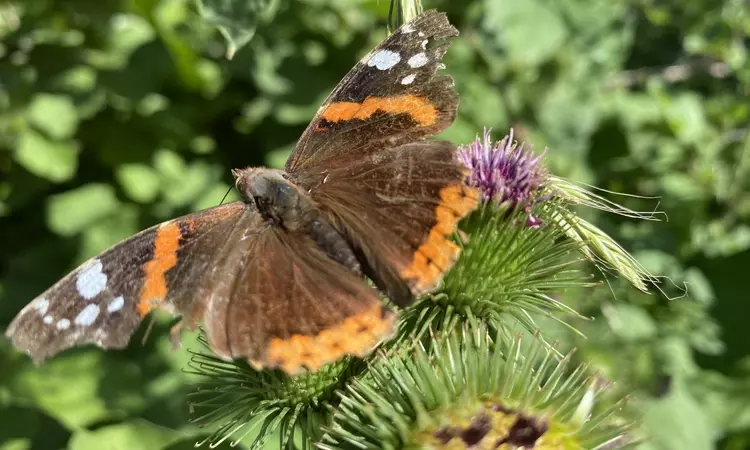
(507, 272)
(236, 400)
(413, 400)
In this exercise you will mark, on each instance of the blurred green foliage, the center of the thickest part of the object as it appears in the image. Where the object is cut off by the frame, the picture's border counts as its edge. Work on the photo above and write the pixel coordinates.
(115, 115)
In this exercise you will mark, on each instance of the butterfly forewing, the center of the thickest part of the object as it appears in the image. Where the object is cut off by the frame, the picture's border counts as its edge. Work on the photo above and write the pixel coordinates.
(103, 301)
(364, 160)
(389, 98)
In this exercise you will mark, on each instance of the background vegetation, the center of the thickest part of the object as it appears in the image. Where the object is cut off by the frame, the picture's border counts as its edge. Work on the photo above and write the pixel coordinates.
(116, 115)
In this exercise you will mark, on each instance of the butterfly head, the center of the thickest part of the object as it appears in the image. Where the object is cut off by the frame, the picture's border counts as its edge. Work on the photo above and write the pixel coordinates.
(277, 199)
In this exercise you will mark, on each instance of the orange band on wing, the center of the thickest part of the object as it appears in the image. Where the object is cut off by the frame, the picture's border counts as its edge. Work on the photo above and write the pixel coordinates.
(418, 108)
(356, 335)
(437, 254)
(154, 288)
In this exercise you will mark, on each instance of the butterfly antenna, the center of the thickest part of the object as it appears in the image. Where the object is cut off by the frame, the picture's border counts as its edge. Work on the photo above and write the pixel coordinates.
(151, 322)
(225, 196)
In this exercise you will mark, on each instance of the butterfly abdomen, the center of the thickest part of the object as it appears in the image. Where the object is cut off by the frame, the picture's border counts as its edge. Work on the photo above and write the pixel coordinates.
(335, 246)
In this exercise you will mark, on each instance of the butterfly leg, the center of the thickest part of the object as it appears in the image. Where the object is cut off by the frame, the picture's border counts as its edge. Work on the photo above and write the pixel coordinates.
(175, 335)
(190, 322)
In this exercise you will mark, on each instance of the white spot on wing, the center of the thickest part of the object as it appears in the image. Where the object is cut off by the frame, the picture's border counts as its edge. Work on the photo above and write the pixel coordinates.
(418, 60)
(407, 28)
(384, 59)
(63, 324)
(420, 34)
(48, 319)
(408, 79)
(41, 305)
(87, 316)
(424, 44)
(116, 304)
(91, 280)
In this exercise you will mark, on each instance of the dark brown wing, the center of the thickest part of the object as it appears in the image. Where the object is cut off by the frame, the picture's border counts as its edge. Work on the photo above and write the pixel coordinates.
(399, 207)
(103, 301)
(289, 305)
(389, 98)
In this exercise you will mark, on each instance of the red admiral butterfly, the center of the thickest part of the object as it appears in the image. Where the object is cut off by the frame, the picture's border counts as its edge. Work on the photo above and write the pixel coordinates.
(279, 277)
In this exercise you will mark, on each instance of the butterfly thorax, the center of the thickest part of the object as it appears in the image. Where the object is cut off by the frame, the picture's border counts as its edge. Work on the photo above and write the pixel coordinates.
(280, 202)
(284, 205)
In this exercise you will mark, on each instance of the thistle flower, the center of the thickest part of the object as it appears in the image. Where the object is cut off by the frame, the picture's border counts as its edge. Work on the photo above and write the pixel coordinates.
(471, 390)
(507, 174)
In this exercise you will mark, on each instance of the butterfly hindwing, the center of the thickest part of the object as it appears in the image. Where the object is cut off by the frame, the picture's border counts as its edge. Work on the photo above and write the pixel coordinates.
(103, 301)
(400, 207)
(391, 97)
(289, 305)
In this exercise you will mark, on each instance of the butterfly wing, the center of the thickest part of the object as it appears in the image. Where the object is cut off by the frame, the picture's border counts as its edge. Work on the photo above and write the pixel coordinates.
(364, 161)
(390, 97)
(291, 306)
(103, 301)
(399, 207)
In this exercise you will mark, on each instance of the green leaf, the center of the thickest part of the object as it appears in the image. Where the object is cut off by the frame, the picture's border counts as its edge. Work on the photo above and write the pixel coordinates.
(71, 212)
(687, 118)
(699, 287)
(460, 131)
(16, 444)
(127, 33)
(110, 230)
(134, 434)
(66, 388)
(530, 31)
(682, 186)
(637, 110)
(277, 158)
(631, 322)
(569, 113)
(53, 160)
(169, 164)
(55, 115)
(677, 422)
(202, 145)
(180, 191)
(139, 181)
(79, 79)
(482, 102)
(236, 20)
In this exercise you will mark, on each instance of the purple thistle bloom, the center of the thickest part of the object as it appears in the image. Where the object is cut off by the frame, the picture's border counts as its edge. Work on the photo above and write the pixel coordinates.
(505, 173)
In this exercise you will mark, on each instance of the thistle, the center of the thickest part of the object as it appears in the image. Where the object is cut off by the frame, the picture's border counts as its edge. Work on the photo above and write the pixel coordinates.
(475, 390)
(507, 173)
(517, 259)
(240, 403)
(456, 375)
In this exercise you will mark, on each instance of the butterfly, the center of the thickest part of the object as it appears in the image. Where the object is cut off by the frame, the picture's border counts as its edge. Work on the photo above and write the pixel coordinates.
(280, 278)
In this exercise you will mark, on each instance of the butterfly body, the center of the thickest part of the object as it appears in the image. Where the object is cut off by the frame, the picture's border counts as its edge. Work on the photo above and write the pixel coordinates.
(284, 205)
(280, 278)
